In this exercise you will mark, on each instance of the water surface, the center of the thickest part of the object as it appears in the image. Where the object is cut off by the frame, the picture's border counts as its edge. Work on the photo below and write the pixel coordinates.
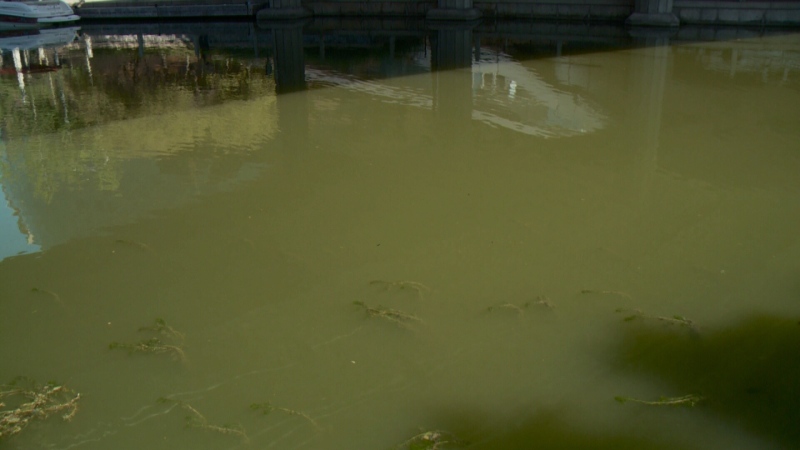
(378, 245)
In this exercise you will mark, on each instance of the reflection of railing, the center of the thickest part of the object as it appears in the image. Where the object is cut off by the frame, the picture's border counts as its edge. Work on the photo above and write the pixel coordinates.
(778, 59)
(504, 94)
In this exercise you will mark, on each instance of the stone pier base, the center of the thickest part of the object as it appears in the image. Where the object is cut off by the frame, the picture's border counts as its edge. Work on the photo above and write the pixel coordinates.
(652, 20)
(453, 10)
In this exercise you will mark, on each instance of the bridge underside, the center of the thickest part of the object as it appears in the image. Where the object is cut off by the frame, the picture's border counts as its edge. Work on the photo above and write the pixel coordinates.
(648, 13)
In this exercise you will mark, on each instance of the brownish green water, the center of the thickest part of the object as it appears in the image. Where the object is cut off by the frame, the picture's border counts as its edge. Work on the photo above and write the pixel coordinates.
(492, 254)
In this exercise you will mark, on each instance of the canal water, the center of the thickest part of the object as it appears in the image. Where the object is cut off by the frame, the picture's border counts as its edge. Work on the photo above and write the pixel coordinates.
(436, 238)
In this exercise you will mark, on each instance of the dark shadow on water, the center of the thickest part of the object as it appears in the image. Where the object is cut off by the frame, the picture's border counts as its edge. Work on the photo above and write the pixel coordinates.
(547, 430)
(748, 373)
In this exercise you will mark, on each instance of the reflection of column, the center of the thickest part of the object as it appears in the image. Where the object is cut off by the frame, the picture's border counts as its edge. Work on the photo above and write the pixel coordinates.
(87, 46)
(453, 10)
(290, 68)
(653, 13)
(451, 48)
(15, 54)
(649, 75)
(451, 45)
(283, 10)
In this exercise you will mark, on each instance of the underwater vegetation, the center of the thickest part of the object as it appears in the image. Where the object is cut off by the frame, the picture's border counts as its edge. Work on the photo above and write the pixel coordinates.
(634, 314)
(51, 294)
(683, 400)
(395, 316)
(520, 309)
(431, 440)
(23, 400)
(155, 345)
(747, 373)
(266, 408)
(135, 244)
(546, 430)
(195, 419)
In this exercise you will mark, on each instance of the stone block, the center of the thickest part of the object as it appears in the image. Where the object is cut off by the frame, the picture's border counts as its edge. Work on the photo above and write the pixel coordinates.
(727, 15)
(726, 34)
(783, 17)
(394, 8)
(573, 11)
(282, 14)
(708, 15)
(544, 9)
(372, 23)
(505, 9)
(750, 16)
(653, 20)
(350, 9)
(370, 8)
(708, 34)
(689, 15)
(327, 9)
(610, 12)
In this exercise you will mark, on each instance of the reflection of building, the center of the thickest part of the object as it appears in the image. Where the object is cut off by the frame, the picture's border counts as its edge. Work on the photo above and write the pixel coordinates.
(742, 58)
(504, 94)
(116, 151)
(78, 157)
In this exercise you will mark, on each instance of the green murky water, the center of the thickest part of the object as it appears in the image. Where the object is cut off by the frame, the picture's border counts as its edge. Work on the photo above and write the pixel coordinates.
(368, 249)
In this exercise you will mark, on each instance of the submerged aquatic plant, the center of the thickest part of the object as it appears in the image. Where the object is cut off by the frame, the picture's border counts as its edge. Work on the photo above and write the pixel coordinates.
(160, 326)
(23, 400)
(152, 345)
(684, 400)
(196, 420)
(137, 244)
(266, 408)
(401, 285)
(543, 300)
(155, 345)
(519, 309)
(51, 294)
(430, 440)
(393, 315)
(675, 320)
(539, 300)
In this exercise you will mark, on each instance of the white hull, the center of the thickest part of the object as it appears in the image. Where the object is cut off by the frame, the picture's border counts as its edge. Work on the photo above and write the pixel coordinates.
(26, 14)
(44, 38)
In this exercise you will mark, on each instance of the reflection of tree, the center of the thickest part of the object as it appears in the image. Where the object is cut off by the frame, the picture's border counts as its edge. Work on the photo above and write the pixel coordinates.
(748, 372)
(51, 168)
(44, 131)
(160, 76)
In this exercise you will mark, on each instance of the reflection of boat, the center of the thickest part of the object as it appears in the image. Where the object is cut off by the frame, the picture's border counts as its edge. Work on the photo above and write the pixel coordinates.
(16, 14)
(19, 42)
(37, 38)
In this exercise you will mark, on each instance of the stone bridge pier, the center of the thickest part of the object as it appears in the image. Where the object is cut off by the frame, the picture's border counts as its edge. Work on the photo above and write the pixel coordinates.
(650, 13)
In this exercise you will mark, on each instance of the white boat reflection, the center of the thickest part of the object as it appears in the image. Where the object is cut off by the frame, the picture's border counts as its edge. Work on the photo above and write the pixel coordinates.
(36, 38)
(19, 45)
(26, 14)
